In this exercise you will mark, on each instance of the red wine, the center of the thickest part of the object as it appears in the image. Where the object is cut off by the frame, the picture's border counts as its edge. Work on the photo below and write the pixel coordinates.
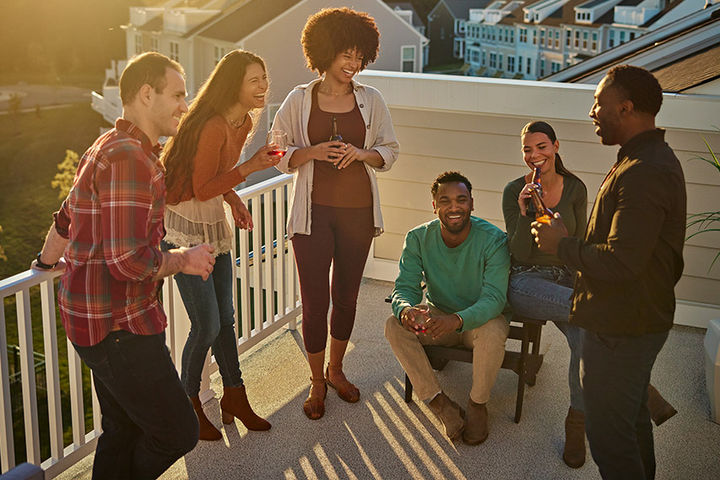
(279, 153)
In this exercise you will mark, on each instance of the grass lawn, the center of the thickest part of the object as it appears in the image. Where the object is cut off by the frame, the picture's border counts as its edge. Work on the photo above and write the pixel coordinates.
(92, 81)
(31, 146)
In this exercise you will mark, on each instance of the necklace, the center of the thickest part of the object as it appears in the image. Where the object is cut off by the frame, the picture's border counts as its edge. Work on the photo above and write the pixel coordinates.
(328, 91)
(237, 123)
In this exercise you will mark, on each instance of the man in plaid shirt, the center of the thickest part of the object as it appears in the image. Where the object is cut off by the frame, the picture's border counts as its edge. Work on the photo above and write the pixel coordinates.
(109, 230)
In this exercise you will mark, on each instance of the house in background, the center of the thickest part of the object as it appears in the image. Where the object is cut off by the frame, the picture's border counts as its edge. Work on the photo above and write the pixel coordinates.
(198, 36)
(683, 54)
(446, 29)
(531, 40)
(407, 12)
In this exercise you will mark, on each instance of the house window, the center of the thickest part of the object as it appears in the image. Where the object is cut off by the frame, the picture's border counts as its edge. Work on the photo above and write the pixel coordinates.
(611, 41)
(493, 60)
(557, 38)
(475, 56)
(568, 36)
(511, 64)
(577, 38)
(527, 65)
(154, 44)
(632, 35)
(219, 54)
(138, 44)
(523, 35)
(519, 64)
(408, 58)
(555, 67)
(482, 35)
(175, 51)
(271, 111)
(594, 41)
(483, 58)
(622, 37)
(542, 68)
(512, 36)
(534, 37)
(500, 61)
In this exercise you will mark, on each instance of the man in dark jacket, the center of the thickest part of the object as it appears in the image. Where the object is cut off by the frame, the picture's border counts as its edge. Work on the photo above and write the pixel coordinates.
(628, 264)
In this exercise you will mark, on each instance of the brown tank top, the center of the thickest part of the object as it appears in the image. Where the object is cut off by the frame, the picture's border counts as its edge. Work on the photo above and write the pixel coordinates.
(349, 187)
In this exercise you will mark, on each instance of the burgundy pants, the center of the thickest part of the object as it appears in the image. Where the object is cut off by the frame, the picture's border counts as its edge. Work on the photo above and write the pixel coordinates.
(341, 236)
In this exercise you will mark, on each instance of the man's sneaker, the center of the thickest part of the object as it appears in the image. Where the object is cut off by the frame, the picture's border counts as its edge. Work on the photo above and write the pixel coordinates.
(476, 423)
(449, 413)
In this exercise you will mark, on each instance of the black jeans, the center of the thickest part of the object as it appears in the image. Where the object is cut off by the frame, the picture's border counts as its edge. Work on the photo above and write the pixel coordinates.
(616, 374)
(147, 419)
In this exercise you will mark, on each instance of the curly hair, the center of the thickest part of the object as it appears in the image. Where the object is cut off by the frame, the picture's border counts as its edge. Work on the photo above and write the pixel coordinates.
(637, 85)
(334, 30)
(217, 95)
(450, 177)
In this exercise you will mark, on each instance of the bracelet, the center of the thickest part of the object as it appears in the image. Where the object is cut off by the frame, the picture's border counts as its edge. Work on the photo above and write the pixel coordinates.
(462, 322)
(42, 265)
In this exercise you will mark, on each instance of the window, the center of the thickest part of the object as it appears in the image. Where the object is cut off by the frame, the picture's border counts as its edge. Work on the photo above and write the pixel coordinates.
(622, 37)
(512, 36)
(523, 35)
(154, 44)
(175, 51)
(632, 35)
(594, 41)
(493, 60)
(519, 64)
(534, 37)
(483, 33)
(577, 38)
(511, 64)
(555, 67)
(500, 61)
(527, 65)
(568, 36)
(219, 54)
(542, 68)
(557, 38)
(408, 58)
(475, 56)
(611, 41)
(138, 44)
(483, 58)
(585, 39)
(271, 111)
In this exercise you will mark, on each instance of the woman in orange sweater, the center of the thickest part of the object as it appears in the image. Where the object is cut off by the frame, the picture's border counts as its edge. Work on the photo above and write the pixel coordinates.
(201, 173)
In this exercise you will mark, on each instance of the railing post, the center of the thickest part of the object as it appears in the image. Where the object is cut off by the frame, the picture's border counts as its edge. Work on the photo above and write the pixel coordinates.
(7, 442)
(52, 370)
(27, 367)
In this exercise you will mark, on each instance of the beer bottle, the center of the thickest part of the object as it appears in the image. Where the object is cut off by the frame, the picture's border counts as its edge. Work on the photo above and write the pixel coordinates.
(335, 137)
(542, 213)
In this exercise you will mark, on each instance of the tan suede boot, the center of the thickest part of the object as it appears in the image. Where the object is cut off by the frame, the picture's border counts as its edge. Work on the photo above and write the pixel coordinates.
(660, 409)
(574, 452)
(449, 413)
(207, 429)
(235, 403)
(476, 424)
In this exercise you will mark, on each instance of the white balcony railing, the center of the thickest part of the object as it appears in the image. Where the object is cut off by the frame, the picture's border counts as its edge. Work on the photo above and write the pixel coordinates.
(270, 300)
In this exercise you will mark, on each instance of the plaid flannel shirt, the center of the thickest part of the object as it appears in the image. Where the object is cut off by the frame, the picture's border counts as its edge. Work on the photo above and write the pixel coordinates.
(113, 218)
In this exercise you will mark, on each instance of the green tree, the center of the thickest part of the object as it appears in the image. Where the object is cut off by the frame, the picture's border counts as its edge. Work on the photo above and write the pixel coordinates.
(66, 173)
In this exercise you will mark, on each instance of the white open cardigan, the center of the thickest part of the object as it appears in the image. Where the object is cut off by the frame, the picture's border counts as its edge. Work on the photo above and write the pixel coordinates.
(293, 117)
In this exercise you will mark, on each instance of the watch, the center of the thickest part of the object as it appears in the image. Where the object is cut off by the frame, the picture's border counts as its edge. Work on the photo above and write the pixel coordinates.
(42, 265)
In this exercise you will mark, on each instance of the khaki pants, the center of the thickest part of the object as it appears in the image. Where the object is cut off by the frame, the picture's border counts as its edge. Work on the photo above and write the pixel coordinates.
(487, 343)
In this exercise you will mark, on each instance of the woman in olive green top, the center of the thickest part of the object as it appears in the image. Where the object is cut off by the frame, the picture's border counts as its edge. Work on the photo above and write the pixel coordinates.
(540, 284)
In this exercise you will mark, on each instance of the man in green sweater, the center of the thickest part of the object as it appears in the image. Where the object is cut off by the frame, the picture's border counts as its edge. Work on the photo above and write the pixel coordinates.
(464, 261)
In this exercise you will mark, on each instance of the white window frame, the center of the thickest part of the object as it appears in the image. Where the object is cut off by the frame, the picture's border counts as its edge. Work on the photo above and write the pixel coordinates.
(175, 51)
(138, 43)
(402, 57)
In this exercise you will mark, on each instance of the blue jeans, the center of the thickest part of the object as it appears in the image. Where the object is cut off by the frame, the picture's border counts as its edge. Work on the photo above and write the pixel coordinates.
(544, 292)
(147, 420)
(209, 304)
(616, 374)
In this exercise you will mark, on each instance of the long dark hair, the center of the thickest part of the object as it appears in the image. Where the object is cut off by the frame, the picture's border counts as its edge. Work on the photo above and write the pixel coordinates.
(539, 126)
(216, 96)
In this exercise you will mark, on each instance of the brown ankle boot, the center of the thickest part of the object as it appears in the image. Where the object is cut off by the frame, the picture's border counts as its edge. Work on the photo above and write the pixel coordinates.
(207, 429)
(660, 409)
(574, 452)
(476, 423)
(449, 413)
(235, 403)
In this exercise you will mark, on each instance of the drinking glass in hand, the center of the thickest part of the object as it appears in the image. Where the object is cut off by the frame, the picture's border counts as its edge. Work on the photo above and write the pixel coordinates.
(421, 321)
(278, 141)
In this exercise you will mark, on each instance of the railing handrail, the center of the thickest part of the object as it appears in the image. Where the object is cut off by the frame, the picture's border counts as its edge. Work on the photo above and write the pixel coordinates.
(24, 280)
(264, 186)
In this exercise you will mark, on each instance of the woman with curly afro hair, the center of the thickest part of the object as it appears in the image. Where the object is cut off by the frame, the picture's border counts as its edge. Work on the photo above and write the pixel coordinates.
(335, 210)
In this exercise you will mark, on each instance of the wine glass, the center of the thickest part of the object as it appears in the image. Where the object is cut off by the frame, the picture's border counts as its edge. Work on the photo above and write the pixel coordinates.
(421, 326)
(278, 141)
